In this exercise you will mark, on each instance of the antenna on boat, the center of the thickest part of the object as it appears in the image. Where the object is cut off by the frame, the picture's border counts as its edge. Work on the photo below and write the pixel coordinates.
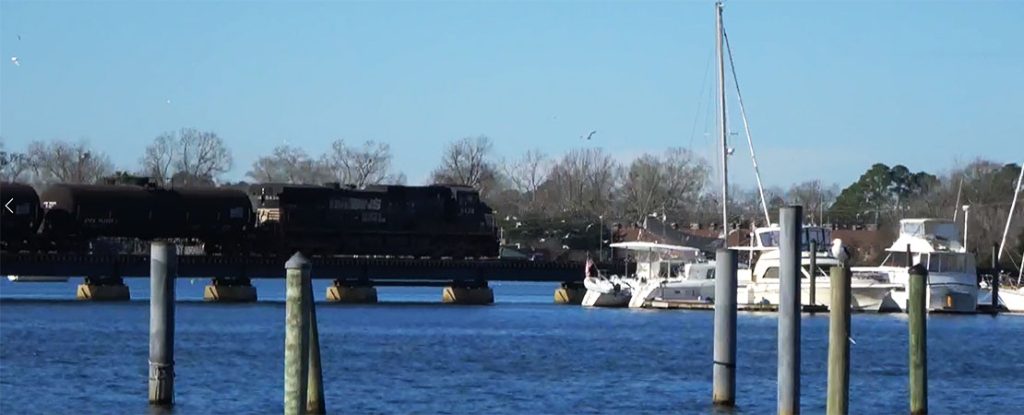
(722, 127)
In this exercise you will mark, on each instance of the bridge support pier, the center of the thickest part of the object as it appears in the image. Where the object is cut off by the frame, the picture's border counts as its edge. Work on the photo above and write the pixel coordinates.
(103, 289)
(570, 293)
(348, 292)
(470, 294)
(230, 290)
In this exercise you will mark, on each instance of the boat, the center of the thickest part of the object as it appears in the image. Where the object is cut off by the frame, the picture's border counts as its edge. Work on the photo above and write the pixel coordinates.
(867, 292)
(668, 272)
(934, 244)
(28, 278)
(1011, 296)
(605, 291)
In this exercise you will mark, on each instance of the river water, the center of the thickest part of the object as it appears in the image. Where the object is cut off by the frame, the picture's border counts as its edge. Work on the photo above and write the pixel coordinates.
(522, 355)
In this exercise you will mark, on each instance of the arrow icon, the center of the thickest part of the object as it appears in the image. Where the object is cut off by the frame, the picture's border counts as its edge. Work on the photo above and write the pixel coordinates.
(8, 205)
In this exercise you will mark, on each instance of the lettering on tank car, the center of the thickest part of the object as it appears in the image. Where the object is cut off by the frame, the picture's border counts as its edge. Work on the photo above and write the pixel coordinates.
(49, 204)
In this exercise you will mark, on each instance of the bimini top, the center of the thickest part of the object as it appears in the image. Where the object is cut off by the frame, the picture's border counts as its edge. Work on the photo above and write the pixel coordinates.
(651, 246)
(928, 235)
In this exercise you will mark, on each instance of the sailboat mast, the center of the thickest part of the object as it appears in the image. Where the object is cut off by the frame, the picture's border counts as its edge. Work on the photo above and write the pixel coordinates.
(722, 129)
(1013, 205)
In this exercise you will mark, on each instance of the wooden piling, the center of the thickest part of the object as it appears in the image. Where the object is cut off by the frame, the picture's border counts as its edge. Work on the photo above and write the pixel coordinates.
(789, 310)
(723, 391)
(918, 341)
(163, 268)
(296, 338)
(315, 384)
(995, 278)
(838, 402)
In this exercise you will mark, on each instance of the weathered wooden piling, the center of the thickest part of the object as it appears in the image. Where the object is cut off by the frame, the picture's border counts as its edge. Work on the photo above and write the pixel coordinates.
(315, 384)
(995, 278)
(163, 268)
(296, 337)
(838, 401)
(918, 341)
(724, 371)
(789, 310)
(813, 292)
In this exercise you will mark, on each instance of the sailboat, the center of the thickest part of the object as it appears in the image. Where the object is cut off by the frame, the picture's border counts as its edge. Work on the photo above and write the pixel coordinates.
(1010, 297)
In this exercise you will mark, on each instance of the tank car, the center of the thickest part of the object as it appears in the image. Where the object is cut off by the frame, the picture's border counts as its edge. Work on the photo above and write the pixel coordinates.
(75, 215)
(20, 215)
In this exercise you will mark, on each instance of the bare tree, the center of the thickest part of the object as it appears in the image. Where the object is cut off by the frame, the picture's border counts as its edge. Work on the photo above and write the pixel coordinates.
(288, 165)
(583, 182)
(14, 166)
(189, 156)
(814, 197)
(466, 162)
(526, 175)
(363, 166)
(64, 162)
(667, 185)
(158, 162)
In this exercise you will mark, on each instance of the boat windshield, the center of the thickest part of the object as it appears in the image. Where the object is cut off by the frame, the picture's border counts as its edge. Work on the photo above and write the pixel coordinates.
(821, 236)
(941, 229)
(896, 260)
(947, 262)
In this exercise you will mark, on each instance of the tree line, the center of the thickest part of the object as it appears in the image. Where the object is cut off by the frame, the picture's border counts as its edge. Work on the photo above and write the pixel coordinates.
(580, 188)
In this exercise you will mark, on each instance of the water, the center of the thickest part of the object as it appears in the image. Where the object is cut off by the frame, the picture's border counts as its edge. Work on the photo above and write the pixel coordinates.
(522, 355)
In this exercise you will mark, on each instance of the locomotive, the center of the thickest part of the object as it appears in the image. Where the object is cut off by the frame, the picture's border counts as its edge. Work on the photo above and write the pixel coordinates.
(268, 219)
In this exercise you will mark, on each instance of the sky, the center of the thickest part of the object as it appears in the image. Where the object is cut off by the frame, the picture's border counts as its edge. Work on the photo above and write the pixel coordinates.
(830, 87)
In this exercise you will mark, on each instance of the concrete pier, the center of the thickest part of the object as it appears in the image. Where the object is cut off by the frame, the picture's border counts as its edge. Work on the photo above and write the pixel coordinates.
(163, 270)
(477, 294)
(230, 290)
(570, 293)
(341, 292)
(103, 289)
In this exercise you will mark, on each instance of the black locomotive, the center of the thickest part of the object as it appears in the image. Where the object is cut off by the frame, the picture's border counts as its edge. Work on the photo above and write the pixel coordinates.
(272, 219)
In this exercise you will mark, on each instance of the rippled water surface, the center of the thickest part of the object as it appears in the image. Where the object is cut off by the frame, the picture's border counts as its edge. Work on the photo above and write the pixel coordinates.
(521, 355)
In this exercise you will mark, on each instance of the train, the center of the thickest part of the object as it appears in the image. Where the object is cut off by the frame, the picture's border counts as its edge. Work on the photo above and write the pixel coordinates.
(434, 221)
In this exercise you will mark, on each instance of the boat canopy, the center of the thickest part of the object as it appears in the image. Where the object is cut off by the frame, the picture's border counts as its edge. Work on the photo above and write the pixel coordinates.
(768, 237)
(651, 246)
(928, 235)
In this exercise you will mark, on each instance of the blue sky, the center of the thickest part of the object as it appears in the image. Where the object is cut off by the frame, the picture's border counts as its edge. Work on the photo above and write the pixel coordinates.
(830, 87)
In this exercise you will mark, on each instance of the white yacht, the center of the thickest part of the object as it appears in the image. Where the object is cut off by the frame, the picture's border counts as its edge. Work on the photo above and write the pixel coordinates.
(935, 244)
(668, 272)
(605, 291)
(762, 281)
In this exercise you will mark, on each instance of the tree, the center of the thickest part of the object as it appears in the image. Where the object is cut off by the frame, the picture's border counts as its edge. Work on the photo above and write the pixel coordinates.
(525, 175)
(65, 162)
(14, 166)
(191, 155)
(667, 185)
(582, 182)
(813, 196)
(287, 165)
(466, 162)
(363, 166)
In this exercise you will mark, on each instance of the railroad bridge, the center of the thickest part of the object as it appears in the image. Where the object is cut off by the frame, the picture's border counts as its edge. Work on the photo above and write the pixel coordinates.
(355, 278)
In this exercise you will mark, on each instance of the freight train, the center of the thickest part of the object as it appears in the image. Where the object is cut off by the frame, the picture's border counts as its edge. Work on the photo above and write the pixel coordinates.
(266, 219)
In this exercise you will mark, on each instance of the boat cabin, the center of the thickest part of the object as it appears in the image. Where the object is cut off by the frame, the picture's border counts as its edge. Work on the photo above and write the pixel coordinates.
(654, 260)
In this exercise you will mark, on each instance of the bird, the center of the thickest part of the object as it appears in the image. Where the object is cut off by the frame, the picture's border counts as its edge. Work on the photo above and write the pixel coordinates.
(565, 246)
(589, 226)
(14, 60)
(839, 251)
(518, 224)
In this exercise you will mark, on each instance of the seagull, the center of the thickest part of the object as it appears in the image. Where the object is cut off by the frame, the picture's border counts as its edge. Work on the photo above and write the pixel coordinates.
(590, 135)
(14, 60)
(839, 251)
(518, 224)
(565, 246)
(566, 236)
(168, 101)
(542, 240)
(589, 225)
(851, 340)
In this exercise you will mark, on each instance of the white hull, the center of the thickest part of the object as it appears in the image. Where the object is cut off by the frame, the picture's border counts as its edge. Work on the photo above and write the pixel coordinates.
(673, 290)
(950, 298)
(1012, 299)
(26, 278)
(863, 297)
(606, 292)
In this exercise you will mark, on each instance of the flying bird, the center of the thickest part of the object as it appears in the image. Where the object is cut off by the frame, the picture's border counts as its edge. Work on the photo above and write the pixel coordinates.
(590, 135)
(839, 251)
(14, 60)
